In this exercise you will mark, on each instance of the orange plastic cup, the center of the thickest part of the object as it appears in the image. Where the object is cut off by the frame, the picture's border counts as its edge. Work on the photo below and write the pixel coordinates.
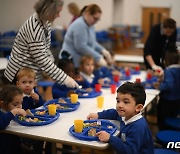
(78, 126)
(52, 109)
(100, 101)
(74, 98)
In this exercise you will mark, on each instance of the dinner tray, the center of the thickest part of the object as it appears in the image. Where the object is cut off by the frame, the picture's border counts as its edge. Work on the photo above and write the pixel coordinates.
(68, 106)
(84, 94)
(42, 120)
(103, 127)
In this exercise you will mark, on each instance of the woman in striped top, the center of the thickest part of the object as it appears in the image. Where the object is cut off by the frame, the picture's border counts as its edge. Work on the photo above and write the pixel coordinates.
(32, 44)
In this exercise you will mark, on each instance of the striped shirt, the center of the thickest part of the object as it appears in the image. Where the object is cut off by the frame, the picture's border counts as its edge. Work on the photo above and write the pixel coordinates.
(31, 49)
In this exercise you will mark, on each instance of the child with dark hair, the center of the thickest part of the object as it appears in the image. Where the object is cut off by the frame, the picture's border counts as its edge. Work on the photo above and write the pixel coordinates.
(62, 90)
(169, 86)
(135, 135)
(11, 98)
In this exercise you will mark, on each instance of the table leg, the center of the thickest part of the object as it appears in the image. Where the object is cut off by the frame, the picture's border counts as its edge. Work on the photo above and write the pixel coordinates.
(53, 148)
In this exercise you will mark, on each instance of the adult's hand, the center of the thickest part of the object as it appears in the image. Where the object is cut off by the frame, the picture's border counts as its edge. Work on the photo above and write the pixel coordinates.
(101, 62)
(70, 82)
(107, 55)
(158, 69)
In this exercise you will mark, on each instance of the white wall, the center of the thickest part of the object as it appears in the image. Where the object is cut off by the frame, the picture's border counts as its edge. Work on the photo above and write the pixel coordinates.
(13, 13)
(132, 10)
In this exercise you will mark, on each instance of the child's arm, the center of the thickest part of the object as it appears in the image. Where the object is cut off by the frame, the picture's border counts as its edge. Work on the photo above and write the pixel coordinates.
(18, 111)
(92, 116)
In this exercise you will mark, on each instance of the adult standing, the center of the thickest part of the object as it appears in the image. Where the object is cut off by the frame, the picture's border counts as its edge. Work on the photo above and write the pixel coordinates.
(32, 44)
(161, 36)
(80, 38)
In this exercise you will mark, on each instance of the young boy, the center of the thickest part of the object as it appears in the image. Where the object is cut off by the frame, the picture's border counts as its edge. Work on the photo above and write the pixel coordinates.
(135, 135)
(26, 82)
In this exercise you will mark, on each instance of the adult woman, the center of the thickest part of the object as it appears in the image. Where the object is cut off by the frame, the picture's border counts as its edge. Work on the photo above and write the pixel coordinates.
(80, 38)
(32, 43)
(160, 38)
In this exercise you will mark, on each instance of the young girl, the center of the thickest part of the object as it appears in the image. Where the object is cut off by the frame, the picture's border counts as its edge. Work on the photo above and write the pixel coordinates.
(62, 90)
(26, 82)
(11, 98)
(87, 69)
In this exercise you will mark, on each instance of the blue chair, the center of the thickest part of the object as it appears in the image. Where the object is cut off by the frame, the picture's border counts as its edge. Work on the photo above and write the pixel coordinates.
(45, 84)
(164, 151)
(173, 123)
(166, 136)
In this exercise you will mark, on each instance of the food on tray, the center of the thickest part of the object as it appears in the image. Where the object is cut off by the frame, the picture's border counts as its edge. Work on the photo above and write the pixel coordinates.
(58, 106)
(28, 111)
(92, 132)
(22, 118)
(110, 127)
(62, 100)
(91, 124)
(41, 112)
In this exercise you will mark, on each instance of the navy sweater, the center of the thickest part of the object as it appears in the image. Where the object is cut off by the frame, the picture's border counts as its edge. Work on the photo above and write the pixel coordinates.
(9, 144)
(134, 138)
(29, 103)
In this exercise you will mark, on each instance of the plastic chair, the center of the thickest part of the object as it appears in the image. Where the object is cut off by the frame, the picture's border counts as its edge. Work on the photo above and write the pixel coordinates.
(166, 136)
(164, 151)
(173, 123)
(45, 84)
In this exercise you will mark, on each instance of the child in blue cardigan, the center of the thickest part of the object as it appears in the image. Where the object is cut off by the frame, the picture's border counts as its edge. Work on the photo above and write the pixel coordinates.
(169, 86)
(26, 82)
(59, 90)
(135, 135)
(10, 105)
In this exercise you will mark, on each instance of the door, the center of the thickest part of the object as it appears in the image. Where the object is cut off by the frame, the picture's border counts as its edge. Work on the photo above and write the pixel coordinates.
(152, 16)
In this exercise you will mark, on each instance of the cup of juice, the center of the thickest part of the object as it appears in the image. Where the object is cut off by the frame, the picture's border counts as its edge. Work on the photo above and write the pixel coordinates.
(100, 101)
(74, 98)
(78, 126)
(52, 109)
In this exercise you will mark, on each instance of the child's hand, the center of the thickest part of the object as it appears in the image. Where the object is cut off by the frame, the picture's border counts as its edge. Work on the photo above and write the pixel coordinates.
(115, 72)
(92, 116)
(103, 136)
(101, 81)
(18, 111)
(156, 85)
(35, 96)
(78, 78)
(70, 92)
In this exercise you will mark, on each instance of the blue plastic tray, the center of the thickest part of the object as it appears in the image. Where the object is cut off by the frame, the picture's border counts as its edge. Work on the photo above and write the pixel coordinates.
(46, 114)
(103, 127)
(45, 120)
(83, 94)
(70, 106)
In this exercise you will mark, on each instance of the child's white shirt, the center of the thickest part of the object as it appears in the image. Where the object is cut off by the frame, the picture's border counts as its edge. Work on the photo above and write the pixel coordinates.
(89, 78)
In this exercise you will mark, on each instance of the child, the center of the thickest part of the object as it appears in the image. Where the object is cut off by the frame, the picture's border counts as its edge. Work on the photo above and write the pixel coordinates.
(135, 136)
(31, 100)
(169, 102)
(62, 90)
(11, 98)
(26, 82)
(87, 69)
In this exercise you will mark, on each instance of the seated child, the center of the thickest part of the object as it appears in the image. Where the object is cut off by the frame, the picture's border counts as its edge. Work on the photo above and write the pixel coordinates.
(11, 98)
(26, 82)
(169, 86)
(31, 99)
(135, 135)
(87, 69)
(59, 90)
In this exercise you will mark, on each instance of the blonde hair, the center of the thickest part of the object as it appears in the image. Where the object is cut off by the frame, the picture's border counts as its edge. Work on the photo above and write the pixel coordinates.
(25, 71)
(84, 59)
(74, 8)
(47, 8)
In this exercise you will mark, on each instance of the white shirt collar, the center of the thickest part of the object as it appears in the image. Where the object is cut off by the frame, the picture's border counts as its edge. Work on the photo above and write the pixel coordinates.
(89, 78)
(132, 119)
(174, 66)
(24, 95)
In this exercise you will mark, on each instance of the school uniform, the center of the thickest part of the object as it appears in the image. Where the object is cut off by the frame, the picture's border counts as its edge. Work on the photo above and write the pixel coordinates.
(9, 144)
(29, 103)
(135, 136)
(169, 103)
